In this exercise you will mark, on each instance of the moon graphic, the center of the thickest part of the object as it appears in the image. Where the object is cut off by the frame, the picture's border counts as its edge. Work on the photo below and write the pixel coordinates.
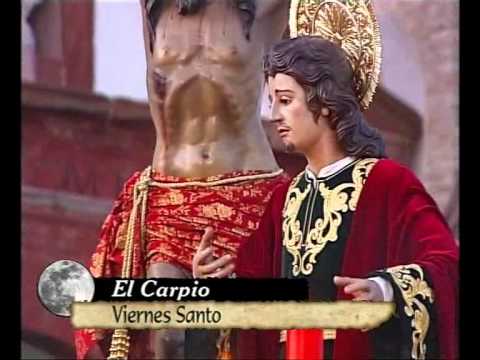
(62, 283)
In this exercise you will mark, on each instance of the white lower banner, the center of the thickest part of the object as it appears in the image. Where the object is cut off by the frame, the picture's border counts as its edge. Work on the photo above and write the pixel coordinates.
(239, 315)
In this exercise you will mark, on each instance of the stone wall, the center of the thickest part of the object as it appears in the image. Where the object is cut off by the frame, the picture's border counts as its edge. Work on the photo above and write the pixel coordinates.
(432, 27)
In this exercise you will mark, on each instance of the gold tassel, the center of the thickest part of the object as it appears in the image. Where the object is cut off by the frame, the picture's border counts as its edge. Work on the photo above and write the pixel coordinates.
(120, 344)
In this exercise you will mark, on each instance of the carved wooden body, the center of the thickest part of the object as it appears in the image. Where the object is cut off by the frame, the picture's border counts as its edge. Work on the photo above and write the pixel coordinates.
(204, 82)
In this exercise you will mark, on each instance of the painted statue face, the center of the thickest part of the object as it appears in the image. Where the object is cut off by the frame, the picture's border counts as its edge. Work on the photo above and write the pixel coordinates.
(294, 121)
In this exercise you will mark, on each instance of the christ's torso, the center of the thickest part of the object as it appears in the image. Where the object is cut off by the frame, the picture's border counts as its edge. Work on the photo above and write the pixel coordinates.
(205, 80)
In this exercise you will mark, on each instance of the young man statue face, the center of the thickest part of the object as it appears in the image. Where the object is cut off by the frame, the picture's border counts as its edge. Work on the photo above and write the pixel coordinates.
(298, 127)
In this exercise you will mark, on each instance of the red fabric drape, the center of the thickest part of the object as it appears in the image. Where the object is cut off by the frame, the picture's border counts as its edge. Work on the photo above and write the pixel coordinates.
(176, 218)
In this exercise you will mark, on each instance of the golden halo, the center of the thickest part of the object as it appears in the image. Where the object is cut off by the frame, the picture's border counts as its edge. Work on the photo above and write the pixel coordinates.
(352, 25)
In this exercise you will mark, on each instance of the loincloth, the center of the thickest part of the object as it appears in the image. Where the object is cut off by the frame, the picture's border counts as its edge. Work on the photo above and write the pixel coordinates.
(170, 217)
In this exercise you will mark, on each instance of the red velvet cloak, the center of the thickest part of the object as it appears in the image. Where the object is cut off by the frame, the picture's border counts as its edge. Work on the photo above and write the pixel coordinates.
(396, 223)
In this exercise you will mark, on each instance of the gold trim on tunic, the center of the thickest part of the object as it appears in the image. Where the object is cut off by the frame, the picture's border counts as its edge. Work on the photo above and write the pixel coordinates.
(337, 201)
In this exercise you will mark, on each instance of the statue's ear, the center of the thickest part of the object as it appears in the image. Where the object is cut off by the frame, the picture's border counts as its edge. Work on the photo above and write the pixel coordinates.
(325, 111)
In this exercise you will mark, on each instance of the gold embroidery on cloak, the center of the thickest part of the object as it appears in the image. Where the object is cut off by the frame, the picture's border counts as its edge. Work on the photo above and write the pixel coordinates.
(336, 202)
(292, 235)
(413, 287)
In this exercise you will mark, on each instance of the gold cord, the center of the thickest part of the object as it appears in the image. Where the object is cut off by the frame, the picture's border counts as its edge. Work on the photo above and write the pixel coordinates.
(217, 182)
(120, 344)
